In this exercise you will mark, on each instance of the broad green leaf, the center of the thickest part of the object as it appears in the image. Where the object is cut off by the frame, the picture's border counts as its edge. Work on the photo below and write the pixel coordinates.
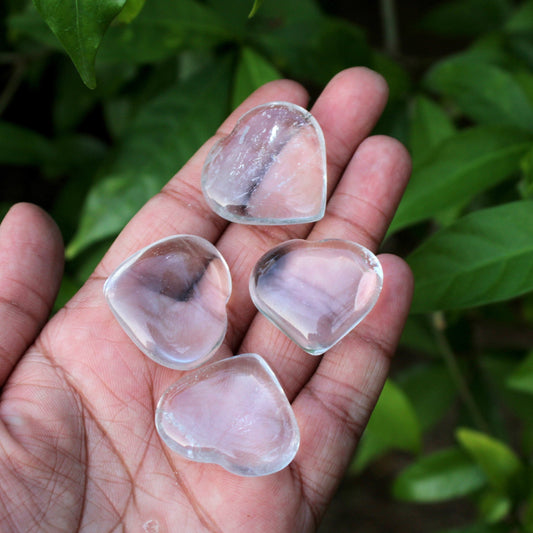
(493, 506)
(307, 45)
(500, 464)
(440, 476)
(486, 93)
(162, 137)
(392, 426)
(29, 23)
(484, 257)
(161, 29)
(526, 183)
(21, 146)
(430, 391)
(80, 26)
(430, 125)
(130, 11)
(458, 169)
(252, 71)
(455, 18)
(521, 379)
(522, 18)
(255, 8)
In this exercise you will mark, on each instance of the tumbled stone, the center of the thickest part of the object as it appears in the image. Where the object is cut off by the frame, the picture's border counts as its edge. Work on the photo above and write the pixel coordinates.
(170, 298)
(233, 413)
(271, 169)
(316, 292)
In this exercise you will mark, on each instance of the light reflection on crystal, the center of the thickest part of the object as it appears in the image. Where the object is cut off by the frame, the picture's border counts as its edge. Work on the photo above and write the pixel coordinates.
(316, 292)
(170, 298)
(233, 413)
(271, 169)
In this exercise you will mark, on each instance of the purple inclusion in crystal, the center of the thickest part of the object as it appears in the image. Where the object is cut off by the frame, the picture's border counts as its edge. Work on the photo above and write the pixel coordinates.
(170, 298)
(271, 169)
(316, 292)
(233, 413)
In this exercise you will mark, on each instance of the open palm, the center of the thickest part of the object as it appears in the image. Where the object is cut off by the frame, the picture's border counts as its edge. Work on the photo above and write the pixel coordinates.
(78, 447)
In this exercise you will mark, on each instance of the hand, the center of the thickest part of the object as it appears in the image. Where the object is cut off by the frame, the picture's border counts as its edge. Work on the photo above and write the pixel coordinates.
(78, 447)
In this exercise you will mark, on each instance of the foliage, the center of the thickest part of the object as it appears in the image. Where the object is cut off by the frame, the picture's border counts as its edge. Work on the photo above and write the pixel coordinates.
(166, 72)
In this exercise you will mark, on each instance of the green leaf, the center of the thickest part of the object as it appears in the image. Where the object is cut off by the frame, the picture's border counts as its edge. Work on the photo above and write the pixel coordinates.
(500, 464)
(493, 506)
(486, 93)
(430, 391)
(430, 125)
(392, 426)
(522, 18)
(454, 18)
(484, 257)
(526, 183)
(255, 8)
(459, 168)
(163, 28)
(521, 379)
(252, 71)
(130, 11)
(21, 146)
(162, 137)
(440, 476)
(80, 26)
(307, 45)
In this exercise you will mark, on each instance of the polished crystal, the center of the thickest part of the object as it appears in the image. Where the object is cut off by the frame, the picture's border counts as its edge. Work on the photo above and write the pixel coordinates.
(170, 298)
(233, 413)
(316, 292)
(271, 169)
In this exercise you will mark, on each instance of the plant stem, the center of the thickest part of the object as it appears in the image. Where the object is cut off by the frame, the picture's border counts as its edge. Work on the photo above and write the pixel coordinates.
(450, 359)
(389, 22)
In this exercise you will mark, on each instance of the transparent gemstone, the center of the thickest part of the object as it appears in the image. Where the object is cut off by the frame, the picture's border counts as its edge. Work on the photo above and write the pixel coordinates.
(170, 298)
(233, 413)
(316, 292)
(271, 169)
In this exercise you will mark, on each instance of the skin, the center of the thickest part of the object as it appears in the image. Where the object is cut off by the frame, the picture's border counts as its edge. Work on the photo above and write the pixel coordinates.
(78, 447)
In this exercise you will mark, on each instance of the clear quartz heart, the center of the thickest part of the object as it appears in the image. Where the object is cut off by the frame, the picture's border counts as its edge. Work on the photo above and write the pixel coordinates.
(316, 292)
(271, 169)
(170, 298)
(233, 413)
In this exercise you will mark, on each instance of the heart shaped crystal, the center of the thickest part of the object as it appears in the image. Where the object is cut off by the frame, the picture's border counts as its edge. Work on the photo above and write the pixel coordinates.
(233, 413)
(271, 169)
(170, 298)
(316, 292)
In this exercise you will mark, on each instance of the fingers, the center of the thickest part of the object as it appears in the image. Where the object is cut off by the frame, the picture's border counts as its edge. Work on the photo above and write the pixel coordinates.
(180, 208)
(347, 110)
(334, 407)
(366, 199)
(360, 210)
(31, 266)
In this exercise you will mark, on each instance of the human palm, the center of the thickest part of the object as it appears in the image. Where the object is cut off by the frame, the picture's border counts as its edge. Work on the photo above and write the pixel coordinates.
(78, 446)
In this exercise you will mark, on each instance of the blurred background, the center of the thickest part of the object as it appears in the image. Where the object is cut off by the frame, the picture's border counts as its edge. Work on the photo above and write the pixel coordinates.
(92, 127)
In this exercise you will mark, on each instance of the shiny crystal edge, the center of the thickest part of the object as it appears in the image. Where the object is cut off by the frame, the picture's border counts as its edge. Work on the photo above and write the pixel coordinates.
(371, 258)
(269, 221)
(224, 463)
(132, 258)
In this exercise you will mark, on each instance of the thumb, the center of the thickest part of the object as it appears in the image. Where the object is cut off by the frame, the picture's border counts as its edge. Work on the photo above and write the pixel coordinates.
(31, 266)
